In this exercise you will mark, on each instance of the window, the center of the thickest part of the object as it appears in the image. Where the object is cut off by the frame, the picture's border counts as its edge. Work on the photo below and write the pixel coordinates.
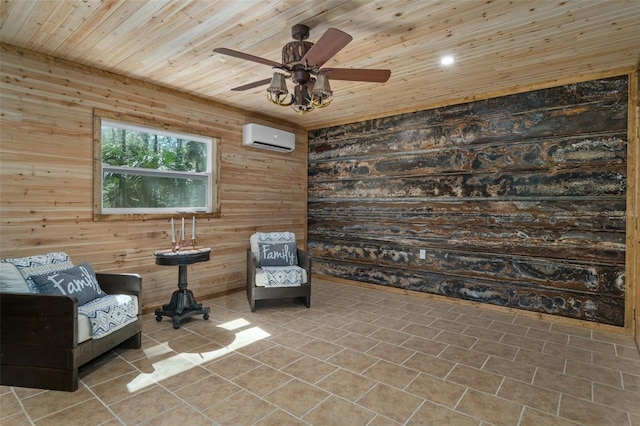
(153, 170)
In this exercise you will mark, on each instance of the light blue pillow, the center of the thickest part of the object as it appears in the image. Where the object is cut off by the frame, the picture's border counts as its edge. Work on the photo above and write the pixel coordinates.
(11, 280)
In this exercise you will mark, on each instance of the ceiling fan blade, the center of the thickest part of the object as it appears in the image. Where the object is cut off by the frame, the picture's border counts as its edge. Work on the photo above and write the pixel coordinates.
(246, 56)
(355, 74)
(331, 42)
(251, 85)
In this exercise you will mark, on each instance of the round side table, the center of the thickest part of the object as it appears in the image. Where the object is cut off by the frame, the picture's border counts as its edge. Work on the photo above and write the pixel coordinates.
(183, 304)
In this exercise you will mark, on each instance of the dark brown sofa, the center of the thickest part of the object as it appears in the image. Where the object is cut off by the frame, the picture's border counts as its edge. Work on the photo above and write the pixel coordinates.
(39, 341)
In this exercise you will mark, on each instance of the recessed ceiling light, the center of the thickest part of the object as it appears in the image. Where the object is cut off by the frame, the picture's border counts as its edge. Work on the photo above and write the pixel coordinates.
(447, 60)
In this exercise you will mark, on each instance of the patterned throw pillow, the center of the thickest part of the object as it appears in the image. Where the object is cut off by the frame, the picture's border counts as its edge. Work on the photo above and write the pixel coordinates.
(40, 264)
(79, 281)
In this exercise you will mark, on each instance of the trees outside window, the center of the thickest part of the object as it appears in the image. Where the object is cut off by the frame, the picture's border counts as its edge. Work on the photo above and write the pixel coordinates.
(148, 170)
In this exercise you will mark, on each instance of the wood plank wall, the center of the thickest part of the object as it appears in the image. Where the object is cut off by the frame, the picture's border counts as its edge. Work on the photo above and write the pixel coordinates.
(519, 201)
(46, 191)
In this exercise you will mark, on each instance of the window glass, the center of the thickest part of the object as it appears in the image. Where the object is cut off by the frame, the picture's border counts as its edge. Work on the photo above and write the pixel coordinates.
(147, 170)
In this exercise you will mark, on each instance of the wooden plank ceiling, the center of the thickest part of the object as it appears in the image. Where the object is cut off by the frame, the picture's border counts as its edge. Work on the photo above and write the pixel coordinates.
(498, 45)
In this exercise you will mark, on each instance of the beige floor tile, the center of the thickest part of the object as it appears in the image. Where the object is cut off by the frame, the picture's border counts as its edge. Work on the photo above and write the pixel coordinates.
(436, 390)
(628, 352)
(476, 379)
(429, 364)
(536, 359)
(554, 380)
(508, 328)
(531, 417)
(569, 352)
(297, 397)
(426, 346)
(393, 322)
(363, 323)
(42, 404)
(490, 409)
(280, 418)
(521, 372)
(390, 402)
(232, 365)
(622, 364)
(588, 413)
(17, 419)
(449, 325)
(357, 342)
(320, 349)
(9, 404)
(278, 356)
(484, 333)
(464, 356)
(496, 349)
(533, 323)
(592, 345)
(184, 377)
(262, 380)
(106, 368)
(207, 392)
(336, 411)
(145, 405)
(90, 412)
(241, 408)
(390, 374)
(595, 373)
(432, 414)
(616, 398)
(476, 321)
(456, 339)
(309, 369)
(330, 334)
(421, 330)
(292, 339)
(346, 384)
(352, 360)
(631, 382)
(121, 387)
(177, 415)
(571, 330)
(536, 397)
(549, 336)
(391, 352)
(523, 342)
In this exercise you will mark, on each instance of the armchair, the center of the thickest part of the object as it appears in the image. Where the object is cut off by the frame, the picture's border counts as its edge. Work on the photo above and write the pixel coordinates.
(277, 269)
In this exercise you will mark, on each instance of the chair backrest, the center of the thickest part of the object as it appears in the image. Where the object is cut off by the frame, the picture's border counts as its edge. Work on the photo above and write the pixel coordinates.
(271, 238)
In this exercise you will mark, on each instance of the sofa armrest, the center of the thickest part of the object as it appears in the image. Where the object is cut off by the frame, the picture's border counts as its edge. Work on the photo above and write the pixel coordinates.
(251, 269)
(122, 284)
(304, 261)
(38, 319)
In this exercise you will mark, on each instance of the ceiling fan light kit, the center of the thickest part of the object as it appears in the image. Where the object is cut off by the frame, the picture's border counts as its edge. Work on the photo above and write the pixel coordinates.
(302, 62)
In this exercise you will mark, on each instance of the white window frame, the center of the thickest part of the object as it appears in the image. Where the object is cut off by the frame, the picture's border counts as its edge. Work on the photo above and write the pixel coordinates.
(136, 124)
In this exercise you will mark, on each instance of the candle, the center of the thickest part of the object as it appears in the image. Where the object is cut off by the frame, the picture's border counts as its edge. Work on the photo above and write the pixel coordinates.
(173, 232)
(193, 228)
(182, 230)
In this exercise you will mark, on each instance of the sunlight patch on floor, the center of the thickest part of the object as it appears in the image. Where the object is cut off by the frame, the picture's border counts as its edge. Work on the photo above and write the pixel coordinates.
(182, 362)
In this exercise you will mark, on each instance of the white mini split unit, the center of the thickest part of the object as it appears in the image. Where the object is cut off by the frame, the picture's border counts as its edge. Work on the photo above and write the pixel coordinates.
(265, 137)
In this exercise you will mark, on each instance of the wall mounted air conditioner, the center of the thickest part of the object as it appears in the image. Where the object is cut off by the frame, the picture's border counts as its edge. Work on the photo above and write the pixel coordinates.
(265, 137)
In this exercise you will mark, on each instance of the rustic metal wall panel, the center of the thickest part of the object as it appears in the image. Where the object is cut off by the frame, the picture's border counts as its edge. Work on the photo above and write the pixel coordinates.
(518, 201)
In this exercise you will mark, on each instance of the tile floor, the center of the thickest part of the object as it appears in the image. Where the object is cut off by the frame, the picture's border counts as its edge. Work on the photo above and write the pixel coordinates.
(357, 357)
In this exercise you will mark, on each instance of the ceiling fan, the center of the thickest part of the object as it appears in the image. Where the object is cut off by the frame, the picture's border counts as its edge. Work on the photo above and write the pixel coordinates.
(302, 62)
